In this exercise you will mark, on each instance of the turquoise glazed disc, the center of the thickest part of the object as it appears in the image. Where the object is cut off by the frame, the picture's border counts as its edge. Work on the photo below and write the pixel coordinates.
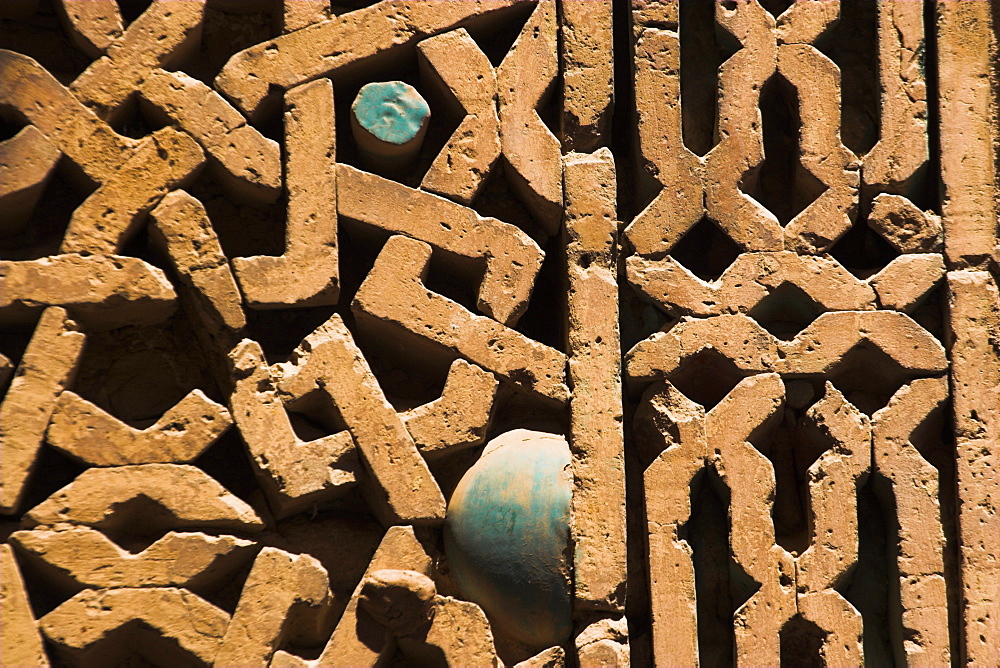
(507, 536)
(392, 111)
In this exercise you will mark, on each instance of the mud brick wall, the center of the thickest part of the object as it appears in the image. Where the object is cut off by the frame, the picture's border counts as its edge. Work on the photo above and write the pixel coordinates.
(499, 332)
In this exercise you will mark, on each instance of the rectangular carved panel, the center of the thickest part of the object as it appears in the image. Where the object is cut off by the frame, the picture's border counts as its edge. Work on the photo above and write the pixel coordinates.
(499, 332)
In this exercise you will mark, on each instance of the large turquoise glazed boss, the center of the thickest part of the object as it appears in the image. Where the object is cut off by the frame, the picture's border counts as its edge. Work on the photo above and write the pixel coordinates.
(507, 536)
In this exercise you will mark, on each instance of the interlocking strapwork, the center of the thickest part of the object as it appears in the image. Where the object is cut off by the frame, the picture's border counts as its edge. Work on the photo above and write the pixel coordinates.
(688, 309)
(808, 297)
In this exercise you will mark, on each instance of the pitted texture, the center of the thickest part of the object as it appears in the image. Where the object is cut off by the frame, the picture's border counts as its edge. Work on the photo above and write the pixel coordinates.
(280, 278)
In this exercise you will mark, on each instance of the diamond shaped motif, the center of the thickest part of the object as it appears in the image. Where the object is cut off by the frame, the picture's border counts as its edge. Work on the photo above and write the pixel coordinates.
(705, 250)
(863, 251)
(706, 377)
(786, 311)
(776, 7)
(868, 377)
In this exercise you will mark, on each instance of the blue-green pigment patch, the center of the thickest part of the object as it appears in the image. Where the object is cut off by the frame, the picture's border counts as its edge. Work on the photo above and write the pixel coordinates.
(391, 110)
(506, 538)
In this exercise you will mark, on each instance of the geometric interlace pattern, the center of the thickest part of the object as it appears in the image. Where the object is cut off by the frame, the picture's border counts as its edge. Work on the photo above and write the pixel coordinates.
(496, 332)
